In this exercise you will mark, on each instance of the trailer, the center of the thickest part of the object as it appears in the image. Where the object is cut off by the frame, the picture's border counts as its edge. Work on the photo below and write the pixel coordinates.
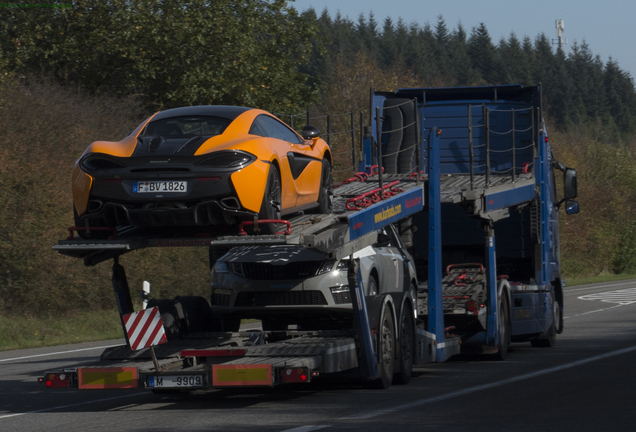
(379, 343)
(439, 172)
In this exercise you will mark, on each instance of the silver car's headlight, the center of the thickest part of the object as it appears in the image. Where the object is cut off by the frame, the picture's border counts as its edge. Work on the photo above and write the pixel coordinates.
(221, 267)
(326, 267)
(330, 265)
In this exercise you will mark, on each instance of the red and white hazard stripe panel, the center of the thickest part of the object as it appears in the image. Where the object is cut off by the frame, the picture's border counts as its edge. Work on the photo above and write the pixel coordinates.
(145, 328)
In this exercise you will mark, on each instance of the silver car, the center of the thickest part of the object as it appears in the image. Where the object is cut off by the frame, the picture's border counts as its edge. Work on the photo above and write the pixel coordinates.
(292, 285)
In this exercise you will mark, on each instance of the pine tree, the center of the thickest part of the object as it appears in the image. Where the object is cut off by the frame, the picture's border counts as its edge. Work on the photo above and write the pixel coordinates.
(515, 61)
(561, 95)
(482, 53)
(387, 44)
(442, 53)
(461, 69)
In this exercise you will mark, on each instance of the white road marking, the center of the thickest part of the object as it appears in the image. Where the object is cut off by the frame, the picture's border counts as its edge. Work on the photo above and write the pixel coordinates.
(308, 428)
(56, 353)
(622, 297)
(594, 311)
(567, 291)
(73, 405)
(420, 402)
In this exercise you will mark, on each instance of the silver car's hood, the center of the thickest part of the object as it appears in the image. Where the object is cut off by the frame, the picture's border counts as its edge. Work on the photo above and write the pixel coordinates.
(274, 255)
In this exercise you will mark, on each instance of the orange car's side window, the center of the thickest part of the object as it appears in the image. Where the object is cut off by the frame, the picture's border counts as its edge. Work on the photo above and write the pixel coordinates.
(270, 127)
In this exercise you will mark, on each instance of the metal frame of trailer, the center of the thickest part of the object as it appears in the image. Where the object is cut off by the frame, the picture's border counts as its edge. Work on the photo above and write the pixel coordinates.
(226, 359)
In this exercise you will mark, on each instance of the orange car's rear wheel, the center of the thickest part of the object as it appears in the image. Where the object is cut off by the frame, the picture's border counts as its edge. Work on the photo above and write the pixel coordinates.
(325, 195)
(271, 206)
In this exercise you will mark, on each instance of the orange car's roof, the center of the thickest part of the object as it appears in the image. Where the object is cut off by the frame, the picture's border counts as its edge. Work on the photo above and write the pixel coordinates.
(223, 111)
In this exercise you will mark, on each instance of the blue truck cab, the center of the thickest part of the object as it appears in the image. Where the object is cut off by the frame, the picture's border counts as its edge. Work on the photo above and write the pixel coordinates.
(484, 156)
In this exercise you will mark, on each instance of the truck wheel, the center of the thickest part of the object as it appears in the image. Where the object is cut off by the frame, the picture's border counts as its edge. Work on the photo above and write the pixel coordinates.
(271, 206)
(406, 347)
(504, 330)
(172, 323)
(232, 325)
(386, 352)
(325, 195)
(550, 336)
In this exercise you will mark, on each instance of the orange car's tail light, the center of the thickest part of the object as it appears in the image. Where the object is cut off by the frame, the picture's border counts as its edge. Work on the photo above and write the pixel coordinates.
(101, 163)
(227, 159)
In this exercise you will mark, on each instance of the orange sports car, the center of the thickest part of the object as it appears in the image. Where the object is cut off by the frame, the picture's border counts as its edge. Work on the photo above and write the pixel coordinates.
(199, 166)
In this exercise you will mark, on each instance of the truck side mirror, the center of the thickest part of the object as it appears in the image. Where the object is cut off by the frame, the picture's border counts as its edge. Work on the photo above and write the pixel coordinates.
(569, 183)
(310, 132)
(571, 207)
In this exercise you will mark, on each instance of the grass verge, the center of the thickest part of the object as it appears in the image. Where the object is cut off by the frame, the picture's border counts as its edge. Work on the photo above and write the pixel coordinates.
(597, 279)
(21, 333)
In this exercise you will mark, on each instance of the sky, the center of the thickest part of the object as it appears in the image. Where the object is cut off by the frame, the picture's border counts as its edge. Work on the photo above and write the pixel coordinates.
(607, 26)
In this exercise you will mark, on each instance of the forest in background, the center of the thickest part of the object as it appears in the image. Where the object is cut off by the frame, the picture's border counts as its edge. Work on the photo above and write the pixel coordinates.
(94, 71)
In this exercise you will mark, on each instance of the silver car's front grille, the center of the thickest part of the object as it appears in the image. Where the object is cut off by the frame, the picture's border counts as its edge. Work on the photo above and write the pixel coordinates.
(266, 271)
(220, 299)
(278, 298)
(341, 298)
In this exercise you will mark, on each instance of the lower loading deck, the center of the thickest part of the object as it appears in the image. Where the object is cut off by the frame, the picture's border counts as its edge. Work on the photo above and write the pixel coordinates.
(216, 360)
(223, 360)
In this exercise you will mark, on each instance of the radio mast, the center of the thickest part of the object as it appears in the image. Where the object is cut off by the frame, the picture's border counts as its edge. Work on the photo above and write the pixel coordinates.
(559, 27)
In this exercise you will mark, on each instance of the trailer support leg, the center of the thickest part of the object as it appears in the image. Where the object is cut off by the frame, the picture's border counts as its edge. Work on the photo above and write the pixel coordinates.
(361, 319)
(492, 330)
(435, 291)
(122, 294)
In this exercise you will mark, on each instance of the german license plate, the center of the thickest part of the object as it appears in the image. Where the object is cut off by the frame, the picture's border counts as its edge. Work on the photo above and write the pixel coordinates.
(160, 186)
(176, 381)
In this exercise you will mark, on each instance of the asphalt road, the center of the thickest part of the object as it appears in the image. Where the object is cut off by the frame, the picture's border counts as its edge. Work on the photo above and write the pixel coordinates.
(585, 383)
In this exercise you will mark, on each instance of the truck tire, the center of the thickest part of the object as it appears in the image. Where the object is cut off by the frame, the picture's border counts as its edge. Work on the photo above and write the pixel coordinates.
(549, 338)
(386, 351)
(407, 346)
(504, 330)
(172, 323)
(198, 315)
(393, 131)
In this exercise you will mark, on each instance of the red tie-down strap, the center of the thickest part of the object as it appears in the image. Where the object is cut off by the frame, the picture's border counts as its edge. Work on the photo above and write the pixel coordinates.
(357, 177)
(375, 169)
(526, 167)
(113, 231)
(371, 197)
(415, 175)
